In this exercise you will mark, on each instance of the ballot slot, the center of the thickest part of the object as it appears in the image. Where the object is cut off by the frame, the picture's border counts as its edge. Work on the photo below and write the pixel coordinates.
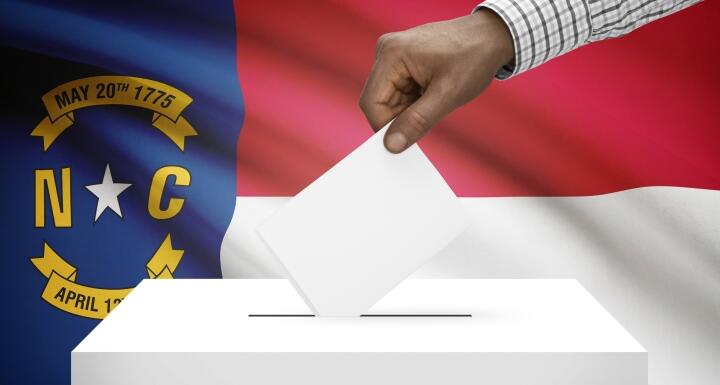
(367, 315)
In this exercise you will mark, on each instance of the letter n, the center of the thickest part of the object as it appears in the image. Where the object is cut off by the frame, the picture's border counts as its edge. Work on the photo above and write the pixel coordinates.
(62, 214)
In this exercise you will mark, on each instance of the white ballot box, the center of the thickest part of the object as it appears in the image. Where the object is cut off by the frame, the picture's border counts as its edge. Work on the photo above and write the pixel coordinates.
(519, 332)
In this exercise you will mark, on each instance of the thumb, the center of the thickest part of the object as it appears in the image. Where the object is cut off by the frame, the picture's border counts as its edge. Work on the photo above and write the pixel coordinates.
(416, 120)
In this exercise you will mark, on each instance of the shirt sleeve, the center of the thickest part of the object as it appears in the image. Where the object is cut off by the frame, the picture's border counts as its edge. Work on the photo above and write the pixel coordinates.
(544, 29)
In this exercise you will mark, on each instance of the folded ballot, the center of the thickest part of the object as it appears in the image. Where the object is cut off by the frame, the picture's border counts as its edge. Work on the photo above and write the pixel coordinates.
(362, 227)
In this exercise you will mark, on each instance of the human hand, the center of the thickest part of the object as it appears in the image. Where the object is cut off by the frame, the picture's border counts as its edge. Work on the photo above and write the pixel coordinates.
(422, 74)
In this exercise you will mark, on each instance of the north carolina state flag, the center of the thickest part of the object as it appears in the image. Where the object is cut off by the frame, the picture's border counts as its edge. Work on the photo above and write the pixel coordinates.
(602, 165)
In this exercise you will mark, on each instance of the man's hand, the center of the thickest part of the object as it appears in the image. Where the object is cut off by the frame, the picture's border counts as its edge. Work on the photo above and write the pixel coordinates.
(422, 74)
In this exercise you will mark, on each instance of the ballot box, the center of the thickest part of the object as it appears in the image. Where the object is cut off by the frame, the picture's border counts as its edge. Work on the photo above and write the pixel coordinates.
(434, 331)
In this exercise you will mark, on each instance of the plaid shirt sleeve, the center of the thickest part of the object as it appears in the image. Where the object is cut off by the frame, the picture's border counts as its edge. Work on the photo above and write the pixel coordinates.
(544, 29)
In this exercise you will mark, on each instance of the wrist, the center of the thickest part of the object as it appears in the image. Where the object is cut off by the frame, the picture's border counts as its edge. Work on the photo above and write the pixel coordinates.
(496, 37)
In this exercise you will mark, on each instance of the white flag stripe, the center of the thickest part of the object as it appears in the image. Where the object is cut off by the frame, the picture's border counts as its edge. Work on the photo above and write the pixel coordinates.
(651, 256)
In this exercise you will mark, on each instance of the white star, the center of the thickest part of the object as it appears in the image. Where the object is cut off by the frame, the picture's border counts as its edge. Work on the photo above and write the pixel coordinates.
(107, 193)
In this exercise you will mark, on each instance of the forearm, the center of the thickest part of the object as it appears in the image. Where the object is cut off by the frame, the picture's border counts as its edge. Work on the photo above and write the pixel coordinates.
(544, 29)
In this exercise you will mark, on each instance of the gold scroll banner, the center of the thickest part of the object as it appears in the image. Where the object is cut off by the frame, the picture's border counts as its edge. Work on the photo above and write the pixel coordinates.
(65, 294)
(166, 102)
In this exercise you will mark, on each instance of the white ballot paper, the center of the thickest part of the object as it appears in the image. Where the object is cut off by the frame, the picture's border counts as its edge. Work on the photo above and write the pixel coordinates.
(362, 227)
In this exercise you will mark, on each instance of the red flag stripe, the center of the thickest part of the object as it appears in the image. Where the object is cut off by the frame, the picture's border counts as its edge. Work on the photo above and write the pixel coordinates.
(624, 113)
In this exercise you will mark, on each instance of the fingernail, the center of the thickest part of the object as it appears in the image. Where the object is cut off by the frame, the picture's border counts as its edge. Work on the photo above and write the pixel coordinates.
(396, 142)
